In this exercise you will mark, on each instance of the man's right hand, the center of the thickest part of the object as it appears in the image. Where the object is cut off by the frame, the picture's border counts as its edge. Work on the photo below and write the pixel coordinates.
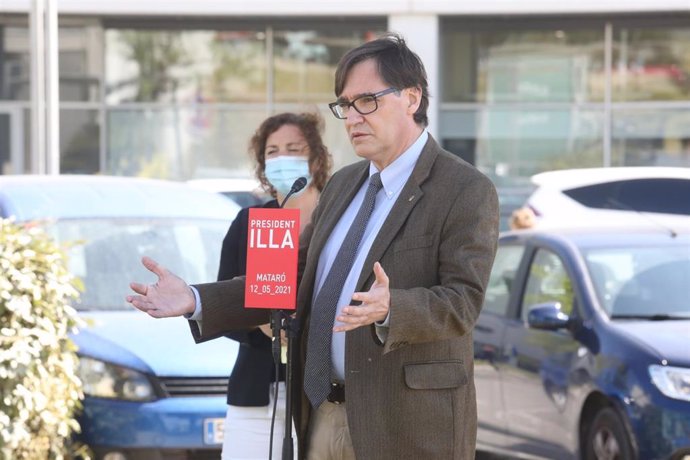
(169, 296)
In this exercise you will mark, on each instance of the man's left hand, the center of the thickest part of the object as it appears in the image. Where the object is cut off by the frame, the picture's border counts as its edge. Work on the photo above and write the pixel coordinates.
(374, 307)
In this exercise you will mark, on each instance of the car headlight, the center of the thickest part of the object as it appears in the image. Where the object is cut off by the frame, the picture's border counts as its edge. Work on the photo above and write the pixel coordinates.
(105, 380)
(674, 382)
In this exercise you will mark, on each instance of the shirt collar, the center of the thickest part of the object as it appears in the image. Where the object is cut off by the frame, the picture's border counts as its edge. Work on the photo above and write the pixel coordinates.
(394, 176)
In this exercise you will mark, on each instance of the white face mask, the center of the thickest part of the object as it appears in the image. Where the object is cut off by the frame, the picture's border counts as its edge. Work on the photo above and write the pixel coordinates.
(283, 171)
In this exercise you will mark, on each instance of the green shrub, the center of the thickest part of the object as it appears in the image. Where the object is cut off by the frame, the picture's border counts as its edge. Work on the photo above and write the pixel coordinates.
(39, 387)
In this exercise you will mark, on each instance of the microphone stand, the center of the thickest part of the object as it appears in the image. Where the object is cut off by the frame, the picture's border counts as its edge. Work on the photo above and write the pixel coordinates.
(280, 320)
(283, 321)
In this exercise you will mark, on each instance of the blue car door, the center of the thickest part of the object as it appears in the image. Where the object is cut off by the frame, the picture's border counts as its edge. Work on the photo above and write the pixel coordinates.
(535, 370)
(488, 346)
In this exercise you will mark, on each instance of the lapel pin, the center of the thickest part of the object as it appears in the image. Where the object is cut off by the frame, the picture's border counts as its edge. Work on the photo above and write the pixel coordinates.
(410, 198)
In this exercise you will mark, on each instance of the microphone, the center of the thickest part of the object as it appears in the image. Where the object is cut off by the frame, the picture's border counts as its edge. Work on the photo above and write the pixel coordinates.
(298, 185)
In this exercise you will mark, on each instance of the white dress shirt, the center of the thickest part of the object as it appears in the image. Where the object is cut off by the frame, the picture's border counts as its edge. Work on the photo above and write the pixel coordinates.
(393, 177)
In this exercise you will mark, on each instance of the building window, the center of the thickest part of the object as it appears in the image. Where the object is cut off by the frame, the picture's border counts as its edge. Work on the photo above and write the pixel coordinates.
(185, 66)
(79, 141)
(525, 95)
(15, 71)
(514, 62)
(183, 103)
(651, 63)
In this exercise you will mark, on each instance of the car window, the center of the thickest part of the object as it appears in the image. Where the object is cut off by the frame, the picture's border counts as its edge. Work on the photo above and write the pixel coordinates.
(246, 199)
(105, 254)
(665, 195)
(664, 285)
(548, 281)
(502, 275)
(642, 281)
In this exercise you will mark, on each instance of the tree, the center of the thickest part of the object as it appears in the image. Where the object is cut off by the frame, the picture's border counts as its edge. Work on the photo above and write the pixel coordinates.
(39, 387)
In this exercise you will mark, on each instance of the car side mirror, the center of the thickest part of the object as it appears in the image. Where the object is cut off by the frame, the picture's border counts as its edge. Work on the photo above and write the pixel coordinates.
(547, 316)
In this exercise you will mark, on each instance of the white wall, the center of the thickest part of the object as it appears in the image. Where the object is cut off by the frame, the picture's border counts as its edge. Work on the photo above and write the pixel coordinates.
(350, 7)
(422, 36)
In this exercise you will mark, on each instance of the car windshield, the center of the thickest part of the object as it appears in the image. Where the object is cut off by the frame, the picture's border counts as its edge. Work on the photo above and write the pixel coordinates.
(245, 199)
(105, 253)
(642, 282)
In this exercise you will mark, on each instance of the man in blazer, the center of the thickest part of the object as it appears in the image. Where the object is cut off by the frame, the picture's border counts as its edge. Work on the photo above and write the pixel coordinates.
(402, 351)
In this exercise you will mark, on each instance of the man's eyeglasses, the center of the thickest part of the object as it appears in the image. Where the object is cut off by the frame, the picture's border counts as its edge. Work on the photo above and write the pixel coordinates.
(365, 104)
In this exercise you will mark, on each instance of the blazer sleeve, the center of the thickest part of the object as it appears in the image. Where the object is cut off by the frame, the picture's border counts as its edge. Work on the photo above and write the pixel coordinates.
(233, 262)
(223, 312)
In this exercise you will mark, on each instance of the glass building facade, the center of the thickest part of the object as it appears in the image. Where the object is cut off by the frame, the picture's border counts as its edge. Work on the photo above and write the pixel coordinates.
(179, 98)
(173, 99)
(525, 95)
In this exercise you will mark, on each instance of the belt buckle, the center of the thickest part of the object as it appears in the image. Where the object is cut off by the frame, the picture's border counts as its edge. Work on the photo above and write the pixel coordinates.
(337, 394)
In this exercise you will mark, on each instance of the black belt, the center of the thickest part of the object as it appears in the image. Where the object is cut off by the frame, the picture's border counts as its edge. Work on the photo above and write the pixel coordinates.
(337, 394)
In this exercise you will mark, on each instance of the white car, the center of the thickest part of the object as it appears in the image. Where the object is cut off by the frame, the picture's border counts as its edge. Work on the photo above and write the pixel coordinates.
(243, 191)
(611, 196)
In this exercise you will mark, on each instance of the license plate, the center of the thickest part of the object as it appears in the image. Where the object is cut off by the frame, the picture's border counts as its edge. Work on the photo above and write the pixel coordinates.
(213, 430)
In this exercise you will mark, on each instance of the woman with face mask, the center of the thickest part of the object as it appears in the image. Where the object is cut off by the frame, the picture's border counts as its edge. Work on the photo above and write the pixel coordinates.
(285, 147)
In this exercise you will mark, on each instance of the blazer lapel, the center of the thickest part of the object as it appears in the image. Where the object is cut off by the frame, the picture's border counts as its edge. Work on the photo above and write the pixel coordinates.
(341, 199)
(410, 195)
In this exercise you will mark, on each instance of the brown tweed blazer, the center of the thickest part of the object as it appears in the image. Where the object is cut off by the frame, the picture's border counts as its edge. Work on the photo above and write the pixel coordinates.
(412, 397)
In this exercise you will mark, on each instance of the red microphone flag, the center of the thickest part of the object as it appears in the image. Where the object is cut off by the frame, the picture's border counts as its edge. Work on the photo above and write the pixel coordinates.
(272, 249)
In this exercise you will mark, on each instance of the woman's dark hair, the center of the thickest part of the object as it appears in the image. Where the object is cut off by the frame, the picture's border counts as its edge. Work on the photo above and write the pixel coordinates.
(311, 125)
(398, 66)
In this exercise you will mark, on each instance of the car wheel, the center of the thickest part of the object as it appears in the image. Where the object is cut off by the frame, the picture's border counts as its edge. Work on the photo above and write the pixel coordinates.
(607, 438)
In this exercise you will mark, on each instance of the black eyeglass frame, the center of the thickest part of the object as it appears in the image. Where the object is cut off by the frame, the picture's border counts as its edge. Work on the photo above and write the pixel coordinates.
(334, 105)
